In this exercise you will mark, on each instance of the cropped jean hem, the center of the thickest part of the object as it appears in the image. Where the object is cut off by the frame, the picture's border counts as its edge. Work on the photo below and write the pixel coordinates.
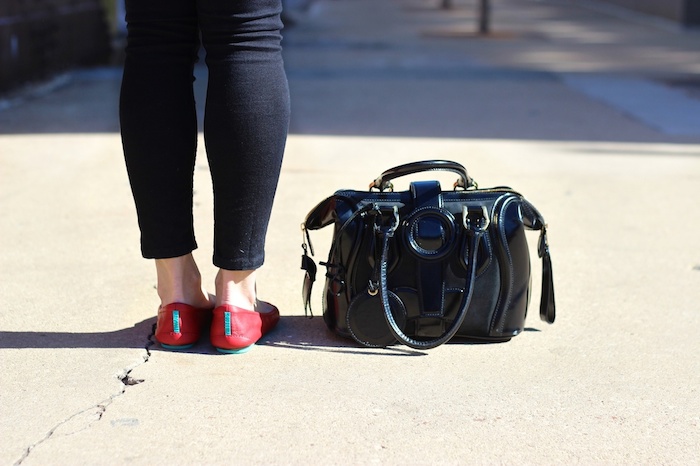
(238, 264)
(170, 252)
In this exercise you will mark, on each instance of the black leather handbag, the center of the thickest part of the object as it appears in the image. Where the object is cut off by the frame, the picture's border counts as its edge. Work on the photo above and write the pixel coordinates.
(424, 266)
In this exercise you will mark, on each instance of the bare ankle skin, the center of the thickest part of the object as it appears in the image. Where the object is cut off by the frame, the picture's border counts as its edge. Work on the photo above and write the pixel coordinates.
(236, 287)
(179, 281)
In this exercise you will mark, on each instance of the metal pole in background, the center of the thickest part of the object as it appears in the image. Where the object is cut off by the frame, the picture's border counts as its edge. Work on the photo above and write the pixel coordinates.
(484, 17)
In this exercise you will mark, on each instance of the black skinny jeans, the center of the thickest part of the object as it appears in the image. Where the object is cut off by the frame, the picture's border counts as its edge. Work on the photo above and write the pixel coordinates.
(245, 122)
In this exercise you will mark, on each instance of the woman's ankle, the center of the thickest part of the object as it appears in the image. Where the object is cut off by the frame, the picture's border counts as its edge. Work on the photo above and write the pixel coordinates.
(179, 281)
(237, 288)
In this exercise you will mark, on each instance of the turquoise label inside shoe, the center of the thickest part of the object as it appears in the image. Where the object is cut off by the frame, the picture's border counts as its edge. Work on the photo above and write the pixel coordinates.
(227, 323)
(176, 321)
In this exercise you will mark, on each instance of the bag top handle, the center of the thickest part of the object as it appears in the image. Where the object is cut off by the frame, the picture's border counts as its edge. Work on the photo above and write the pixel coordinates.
(383, 182)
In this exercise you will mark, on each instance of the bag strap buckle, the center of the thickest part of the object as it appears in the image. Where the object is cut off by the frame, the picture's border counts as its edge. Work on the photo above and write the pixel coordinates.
(479, 222)
(380, 228)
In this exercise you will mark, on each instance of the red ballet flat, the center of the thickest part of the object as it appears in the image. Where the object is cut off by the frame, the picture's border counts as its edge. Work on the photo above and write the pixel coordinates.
(180, 325)
(235, 330)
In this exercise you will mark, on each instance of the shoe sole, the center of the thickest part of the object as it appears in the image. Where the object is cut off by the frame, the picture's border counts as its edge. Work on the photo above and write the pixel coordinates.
(235, 351)
(176, 348)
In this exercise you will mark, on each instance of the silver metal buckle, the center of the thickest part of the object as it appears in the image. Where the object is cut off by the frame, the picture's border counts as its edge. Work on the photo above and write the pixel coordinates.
(482, 224)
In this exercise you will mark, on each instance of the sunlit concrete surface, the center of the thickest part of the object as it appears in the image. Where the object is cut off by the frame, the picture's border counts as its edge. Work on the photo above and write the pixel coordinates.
(374, 84)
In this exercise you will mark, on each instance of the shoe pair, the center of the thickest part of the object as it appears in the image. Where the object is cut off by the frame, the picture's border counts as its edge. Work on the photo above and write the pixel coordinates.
(233, 330)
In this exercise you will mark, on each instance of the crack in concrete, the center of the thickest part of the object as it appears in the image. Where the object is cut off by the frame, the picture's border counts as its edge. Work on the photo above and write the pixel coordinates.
(98, 410)
(125, 375)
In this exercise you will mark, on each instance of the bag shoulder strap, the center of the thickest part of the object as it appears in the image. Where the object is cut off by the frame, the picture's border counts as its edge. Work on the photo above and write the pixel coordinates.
(475, 230)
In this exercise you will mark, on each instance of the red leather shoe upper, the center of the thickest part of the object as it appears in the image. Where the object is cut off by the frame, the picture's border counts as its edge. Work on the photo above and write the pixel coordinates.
(180, 324)
(235, 328)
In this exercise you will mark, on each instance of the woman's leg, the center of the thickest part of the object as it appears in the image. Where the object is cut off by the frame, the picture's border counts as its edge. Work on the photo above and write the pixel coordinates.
(159, 135)
(245, 129)
(179, 281)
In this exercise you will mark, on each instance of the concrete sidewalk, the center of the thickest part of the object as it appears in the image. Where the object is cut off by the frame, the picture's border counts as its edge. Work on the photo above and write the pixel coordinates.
(592, 116)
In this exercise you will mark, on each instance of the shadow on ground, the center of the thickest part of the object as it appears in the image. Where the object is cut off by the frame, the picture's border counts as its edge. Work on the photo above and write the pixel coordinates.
(293, 332)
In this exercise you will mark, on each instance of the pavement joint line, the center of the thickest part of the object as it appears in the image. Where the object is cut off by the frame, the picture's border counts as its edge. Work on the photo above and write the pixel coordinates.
(629, 15)
(100, 408)
(35, 90)
(48, 86)
(663, 108)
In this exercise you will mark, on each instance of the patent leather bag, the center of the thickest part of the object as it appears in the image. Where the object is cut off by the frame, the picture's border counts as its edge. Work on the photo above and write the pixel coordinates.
(424, 266)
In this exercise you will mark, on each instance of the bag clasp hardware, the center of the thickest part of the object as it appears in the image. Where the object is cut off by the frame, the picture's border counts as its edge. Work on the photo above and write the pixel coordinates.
(386, 230)
(381, 186)
(381, 231)
(372, 288)
(481, 224)
(309, 267)
(472, 184)
(306, 240)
